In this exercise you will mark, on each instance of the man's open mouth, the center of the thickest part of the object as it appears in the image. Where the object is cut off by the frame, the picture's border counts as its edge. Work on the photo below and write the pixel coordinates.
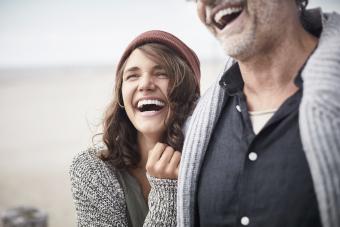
(226, 15)
(150, 105)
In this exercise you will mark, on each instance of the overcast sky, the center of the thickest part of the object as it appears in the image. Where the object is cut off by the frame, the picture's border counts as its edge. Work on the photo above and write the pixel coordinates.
(69, 32)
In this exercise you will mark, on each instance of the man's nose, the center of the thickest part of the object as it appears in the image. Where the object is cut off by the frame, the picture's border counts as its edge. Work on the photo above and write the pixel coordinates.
(146, 82)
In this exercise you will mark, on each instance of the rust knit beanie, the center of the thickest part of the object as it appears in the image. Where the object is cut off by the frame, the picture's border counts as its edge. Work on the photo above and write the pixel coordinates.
(169, 40)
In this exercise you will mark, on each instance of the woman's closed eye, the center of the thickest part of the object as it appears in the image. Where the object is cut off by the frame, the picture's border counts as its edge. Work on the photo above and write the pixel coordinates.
(132, 76)
(162, 75)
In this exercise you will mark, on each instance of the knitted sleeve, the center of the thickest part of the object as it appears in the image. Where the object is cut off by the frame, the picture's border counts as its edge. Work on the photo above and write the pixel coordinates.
(98, 197)
(320, 120)
(162, 203)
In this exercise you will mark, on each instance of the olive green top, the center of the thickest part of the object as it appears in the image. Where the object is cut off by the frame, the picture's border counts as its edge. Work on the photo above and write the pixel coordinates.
(136, 205)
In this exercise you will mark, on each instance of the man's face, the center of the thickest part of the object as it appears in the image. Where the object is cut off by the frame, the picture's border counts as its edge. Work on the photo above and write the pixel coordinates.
(243, 27)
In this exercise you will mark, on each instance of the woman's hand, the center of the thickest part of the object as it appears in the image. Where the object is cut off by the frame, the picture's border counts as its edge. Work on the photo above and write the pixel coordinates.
(163, 162)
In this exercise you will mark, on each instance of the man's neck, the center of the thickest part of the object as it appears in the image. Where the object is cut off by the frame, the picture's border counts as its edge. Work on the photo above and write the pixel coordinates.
(269, 76)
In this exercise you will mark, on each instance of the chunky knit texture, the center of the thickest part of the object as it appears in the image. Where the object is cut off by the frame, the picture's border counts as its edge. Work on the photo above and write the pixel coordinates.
(320, 120)
(99, 198)
(319, 127)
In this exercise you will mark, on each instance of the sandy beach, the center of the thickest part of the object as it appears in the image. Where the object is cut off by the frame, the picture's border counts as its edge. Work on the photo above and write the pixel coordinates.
(47, 115)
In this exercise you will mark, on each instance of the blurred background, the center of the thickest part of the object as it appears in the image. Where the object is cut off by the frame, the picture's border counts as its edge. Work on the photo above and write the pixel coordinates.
(57, 64)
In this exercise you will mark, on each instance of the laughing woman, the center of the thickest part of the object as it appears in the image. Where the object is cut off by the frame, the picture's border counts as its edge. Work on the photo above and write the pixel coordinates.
(133, 180)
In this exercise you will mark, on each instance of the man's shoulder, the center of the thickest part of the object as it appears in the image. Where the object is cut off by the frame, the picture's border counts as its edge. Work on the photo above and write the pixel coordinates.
(331, 23)
(329, 40)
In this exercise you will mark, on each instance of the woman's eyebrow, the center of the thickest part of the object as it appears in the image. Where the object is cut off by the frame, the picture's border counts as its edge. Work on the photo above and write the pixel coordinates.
(158, 67)
(131, 69)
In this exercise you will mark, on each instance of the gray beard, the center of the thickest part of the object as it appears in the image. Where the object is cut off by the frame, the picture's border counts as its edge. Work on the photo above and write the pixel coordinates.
(239, 46)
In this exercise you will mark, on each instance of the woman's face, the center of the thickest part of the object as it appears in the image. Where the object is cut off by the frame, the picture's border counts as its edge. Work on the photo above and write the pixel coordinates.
(144, 91)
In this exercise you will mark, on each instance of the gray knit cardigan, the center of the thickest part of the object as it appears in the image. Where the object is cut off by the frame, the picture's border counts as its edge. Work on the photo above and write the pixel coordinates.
(99, 198)
(319, 121)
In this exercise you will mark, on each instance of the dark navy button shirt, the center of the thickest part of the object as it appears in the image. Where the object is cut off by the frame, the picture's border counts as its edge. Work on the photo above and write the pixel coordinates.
(273, 187)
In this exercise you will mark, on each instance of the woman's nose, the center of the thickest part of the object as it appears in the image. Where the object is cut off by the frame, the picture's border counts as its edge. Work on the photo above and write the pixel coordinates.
(146, 82)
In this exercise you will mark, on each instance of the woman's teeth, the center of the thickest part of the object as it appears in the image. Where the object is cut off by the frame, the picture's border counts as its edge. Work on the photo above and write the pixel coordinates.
(150, 105)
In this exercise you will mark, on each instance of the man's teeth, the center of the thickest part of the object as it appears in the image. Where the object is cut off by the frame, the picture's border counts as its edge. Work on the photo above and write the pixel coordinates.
(149, 102)
(228, 11)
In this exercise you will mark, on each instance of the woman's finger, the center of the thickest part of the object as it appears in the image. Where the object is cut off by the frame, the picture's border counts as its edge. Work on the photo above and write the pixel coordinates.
(155, 154)
(175, 159)
(166, 156)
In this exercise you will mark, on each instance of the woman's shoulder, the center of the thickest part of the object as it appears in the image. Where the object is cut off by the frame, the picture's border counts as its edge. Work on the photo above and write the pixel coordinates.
(87, 159)
(98, 196)
(88, 165)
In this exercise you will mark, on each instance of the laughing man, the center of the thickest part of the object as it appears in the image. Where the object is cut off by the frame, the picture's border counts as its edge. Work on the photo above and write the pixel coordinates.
(262, 148)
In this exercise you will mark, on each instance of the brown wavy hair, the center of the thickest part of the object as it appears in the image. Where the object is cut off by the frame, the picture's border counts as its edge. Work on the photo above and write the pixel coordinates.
(120, 136)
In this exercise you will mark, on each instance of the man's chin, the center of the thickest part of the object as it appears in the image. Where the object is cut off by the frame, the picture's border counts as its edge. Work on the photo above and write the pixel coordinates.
(232, 50)
(235, 47)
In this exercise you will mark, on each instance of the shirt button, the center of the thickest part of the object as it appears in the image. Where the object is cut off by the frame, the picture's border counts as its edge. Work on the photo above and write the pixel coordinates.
(238, 108)
(252, 156)
(245, 220)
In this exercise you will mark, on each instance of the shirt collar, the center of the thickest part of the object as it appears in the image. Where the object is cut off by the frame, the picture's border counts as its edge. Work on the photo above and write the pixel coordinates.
(232, 80)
